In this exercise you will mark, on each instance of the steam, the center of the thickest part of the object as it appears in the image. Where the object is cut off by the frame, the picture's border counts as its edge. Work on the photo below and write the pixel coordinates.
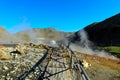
(27, 32)
(85, 46)
(84, 42)
(23, 33)
(24, 26)
(20, 27)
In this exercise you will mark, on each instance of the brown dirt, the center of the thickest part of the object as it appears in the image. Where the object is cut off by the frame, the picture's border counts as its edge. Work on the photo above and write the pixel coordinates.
(102, 68)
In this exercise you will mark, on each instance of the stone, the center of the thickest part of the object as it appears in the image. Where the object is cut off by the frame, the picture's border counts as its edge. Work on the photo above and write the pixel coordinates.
(5, 68)
(85, 64)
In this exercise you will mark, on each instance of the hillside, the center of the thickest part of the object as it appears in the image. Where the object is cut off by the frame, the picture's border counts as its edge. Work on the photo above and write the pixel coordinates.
(6, 37)
(31, 35)
(48, 33)
(105, 33)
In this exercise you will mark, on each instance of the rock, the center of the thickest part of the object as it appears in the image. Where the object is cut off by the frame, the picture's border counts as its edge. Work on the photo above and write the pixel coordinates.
(21, 48)
(3, 76)
(11, 79)
(85, 64)
(4, 55)
(12, 72)
(27, 79)
(5, 68)
(30, 76)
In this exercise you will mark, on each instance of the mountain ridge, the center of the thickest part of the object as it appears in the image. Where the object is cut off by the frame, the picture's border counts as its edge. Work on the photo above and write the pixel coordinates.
(32, 34)
(104, 33)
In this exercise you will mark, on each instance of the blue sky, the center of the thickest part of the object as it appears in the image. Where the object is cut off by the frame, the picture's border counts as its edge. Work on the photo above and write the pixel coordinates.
(63, 15)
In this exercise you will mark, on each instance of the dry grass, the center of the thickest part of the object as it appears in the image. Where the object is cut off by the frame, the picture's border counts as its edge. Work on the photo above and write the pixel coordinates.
(100, 61)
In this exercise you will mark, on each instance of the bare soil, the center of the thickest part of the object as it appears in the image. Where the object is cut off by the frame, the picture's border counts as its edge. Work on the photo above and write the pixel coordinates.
(102, 68)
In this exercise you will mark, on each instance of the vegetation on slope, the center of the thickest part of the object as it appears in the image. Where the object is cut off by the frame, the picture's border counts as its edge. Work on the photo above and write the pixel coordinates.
(111, 49)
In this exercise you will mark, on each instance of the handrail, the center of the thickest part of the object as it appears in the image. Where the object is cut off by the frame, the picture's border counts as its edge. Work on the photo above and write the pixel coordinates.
(23, 76)
(81, 69)
(83, 72)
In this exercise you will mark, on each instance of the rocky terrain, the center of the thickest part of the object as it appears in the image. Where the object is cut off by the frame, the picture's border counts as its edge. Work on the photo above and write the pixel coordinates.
(101, 68)
(29, 54)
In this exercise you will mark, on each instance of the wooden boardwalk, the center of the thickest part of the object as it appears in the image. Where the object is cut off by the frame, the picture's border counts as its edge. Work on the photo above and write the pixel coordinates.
(54, 66)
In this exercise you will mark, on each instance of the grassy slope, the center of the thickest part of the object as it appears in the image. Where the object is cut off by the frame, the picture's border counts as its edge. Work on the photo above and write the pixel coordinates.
(111, 49)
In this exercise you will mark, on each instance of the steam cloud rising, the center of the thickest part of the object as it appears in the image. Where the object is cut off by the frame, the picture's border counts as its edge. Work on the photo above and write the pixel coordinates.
(85, 46)
(7, 38)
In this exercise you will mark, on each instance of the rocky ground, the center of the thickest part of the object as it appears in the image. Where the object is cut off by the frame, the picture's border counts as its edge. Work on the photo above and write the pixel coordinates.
(11, 69)
(101, 68)
(16, 66)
